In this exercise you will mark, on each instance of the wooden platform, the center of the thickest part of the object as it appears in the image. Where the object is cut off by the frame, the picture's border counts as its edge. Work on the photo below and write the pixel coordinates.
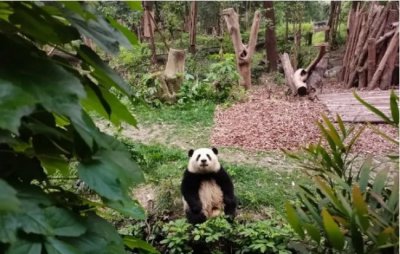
(351, 110)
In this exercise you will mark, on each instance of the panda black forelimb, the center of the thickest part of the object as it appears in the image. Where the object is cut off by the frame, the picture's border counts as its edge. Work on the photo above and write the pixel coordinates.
(190, 190)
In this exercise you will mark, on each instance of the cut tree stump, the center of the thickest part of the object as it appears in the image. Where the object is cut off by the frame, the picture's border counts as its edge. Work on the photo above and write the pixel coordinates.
(351, 110)
(243, 53)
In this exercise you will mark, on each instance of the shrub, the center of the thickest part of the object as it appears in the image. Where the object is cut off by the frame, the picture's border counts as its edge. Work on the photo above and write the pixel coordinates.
(45, 126)
(352, 209)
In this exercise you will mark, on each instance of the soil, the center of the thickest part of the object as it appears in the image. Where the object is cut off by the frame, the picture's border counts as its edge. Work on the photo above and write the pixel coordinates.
(272, 120)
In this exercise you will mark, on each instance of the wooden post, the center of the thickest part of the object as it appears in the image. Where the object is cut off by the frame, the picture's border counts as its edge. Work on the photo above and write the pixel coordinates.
(371, 58)
(192, 27)
(288, 69)
(243, 53)
(391, 50)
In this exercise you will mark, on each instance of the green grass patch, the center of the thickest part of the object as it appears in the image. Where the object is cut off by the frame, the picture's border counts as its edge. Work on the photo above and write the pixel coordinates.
(199, 113)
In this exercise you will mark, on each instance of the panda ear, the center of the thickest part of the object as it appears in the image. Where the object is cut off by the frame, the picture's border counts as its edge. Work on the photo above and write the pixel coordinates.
(190, 153)
(215, 150)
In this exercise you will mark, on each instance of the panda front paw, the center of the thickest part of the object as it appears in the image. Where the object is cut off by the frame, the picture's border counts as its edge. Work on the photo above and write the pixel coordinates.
(195, 218)
(230, 207)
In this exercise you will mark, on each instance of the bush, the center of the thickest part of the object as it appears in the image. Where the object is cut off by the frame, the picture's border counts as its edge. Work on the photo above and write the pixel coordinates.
(350, 208)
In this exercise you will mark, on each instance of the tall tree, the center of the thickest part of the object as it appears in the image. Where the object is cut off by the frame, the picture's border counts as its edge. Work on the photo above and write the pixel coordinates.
(330, 35)
(149, 27)
(192, 27)
(270, 36)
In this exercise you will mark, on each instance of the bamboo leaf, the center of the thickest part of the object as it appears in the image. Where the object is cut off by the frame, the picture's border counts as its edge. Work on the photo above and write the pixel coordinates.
(313, 232)
(293, 219)
(332, 132)
(330, 194)
(341, 125)
(361, 208)
(393, 201)
(365, 174)
(394, 107)
(372, 108)
(379, 181)
(335, 236)
(356, 237)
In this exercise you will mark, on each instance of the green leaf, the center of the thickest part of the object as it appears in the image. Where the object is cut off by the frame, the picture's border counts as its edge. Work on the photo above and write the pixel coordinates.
(9, 225)
(63, 222)
(365, 174)
(361, 208)
(8, 198)
(293, 219)
(335, 236)
(54, 163)
(332, 132)
(313, 232)
(110, 174)
(55, 246)
(356, 236)
(379, 181)
(127, 207)
(329, 193)
(118, 111)
(14, 104)
(135, 5)
(134, 243)
(394, 107)
(125, 31)
(25, 247)
(341, 126)
(102, 33)
(372, 108)
(34, 221)
(393, 201)
(101, 71)
(384, 236)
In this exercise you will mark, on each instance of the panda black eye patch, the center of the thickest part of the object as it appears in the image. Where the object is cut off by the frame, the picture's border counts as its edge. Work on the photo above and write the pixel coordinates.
(209, 157)
(198, 157)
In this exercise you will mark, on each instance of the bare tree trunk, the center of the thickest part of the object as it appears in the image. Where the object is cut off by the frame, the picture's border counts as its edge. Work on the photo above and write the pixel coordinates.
(288, 69)
(192, 27)
(371, 58)
(270, 37)
(243, 52)
(149, 26)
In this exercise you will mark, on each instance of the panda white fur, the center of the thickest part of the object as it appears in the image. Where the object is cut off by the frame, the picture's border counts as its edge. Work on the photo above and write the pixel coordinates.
(206, 187)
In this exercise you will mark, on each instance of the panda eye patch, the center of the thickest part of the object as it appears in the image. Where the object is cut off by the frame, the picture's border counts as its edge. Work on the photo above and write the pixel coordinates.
(209, 157)
(198, 157)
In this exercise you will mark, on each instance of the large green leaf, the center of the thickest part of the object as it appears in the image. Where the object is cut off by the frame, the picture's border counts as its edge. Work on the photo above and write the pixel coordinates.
(55, 246)
(33, 220)
(104, 35)
(63, 222)
(127, 207)
(8, 227)
(335, 236)
(134, 243)
(294, 220)
(25, 247)
(379, 181)
(14, 104)
(40, 25)
(313, 232)
(125, 31)
(101, 71)
(8, 198)
(110, 174)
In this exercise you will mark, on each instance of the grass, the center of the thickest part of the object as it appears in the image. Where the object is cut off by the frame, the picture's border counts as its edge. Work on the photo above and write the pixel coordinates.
(256, 187)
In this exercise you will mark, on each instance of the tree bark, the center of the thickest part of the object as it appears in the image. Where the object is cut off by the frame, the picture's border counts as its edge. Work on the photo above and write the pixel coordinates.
(371, 58)
(288, 70)
(388, 72)
(172, 77)
(243, 53)
(192, 27)
(149, 26)
(392, 49)
(270, 37)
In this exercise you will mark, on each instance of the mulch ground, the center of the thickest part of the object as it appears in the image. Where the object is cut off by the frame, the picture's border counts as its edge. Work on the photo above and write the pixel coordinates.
(271, 120)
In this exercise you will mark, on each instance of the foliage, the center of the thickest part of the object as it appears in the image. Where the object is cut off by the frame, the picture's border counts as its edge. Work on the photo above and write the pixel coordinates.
(354, 209)
(220, 236)
(44, 126)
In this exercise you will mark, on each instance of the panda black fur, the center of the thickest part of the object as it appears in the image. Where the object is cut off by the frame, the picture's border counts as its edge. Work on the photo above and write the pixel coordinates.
(206, 187)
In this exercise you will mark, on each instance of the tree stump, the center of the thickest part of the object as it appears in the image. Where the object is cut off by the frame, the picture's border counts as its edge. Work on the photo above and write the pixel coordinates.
(243, 52)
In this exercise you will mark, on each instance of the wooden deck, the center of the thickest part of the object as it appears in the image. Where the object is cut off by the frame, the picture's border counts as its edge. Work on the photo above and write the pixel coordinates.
(351, 110)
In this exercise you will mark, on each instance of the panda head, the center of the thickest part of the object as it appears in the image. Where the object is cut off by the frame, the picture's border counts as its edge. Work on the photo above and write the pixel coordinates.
(203, 160)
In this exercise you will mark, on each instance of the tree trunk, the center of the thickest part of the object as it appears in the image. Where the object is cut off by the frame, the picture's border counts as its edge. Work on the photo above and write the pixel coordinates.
(288, 70)
(149, 26)
(243, 53)
(192, 27)
(371, 58)
(172, 78)
(270, 37)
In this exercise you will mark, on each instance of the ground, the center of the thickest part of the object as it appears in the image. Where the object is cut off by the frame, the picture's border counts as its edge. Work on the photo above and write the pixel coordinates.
(249, 135)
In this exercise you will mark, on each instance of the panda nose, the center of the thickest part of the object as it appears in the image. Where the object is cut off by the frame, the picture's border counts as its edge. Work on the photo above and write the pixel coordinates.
(203, 161)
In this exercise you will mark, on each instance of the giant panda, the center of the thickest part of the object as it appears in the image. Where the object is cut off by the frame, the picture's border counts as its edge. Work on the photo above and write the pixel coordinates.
(207, 189)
